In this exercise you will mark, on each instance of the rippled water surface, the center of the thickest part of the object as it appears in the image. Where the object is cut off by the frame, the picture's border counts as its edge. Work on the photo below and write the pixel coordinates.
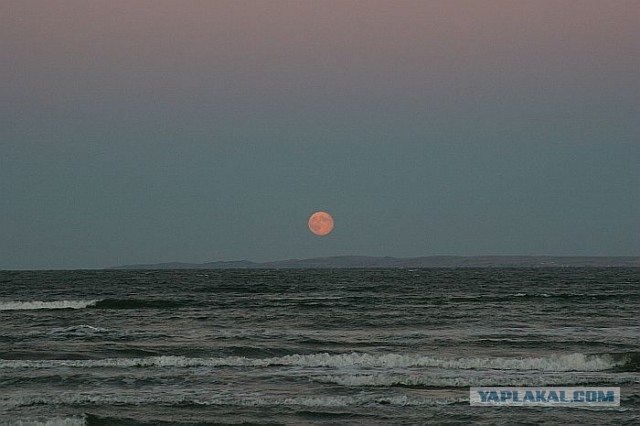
(298, 347)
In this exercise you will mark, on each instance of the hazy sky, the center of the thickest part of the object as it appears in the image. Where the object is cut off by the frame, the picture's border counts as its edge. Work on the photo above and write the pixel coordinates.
(152, 131)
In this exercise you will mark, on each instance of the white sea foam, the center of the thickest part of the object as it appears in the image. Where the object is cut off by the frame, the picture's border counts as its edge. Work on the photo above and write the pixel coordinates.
(81, 328)
(239, 399)
(54, 421)
(570, 362)
(76, 331)
(37, 304)
(330, 401)
(531, 295)
(424, 380)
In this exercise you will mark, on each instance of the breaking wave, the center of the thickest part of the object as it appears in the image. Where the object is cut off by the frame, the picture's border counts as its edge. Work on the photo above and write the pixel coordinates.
(554, 363)
(428, 381)
(136, 304)
(54, 421)
(74, 331)
(37, 304)
(238, 400)
(96, 304)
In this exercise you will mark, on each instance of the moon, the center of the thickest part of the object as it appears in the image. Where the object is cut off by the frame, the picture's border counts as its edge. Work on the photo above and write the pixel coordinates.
(321, 223)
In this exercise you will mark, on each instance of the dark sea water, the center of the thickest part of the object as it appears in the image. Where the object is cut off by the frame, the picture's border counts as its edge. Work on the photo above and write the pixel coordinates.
(297, 347)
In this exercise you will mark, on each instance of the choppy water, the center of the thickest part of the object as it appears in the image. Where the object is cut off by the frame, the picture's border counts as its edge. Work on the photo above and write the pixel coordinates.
(302, 347)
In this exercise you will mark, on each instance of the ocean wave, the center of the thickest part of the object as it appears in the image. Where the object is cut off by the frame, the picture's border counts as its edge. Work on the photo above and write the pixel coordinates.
(81, 330)
(95, 304)
(136, 304)
(238, 400)
(429, 381)
(117, 303)
(54, 421)
(543, 296)
(554, 363)
(37, 304)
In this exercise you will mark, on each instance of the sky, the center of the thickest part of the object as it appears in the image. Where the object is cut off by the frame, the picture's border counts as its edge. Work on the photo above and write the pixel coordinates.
(196, 131)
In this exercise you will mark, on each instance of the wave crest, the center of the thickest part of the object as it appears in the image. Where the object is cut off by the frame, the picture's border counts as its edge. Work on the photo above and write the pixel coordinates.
(429, 381)
(53, 421)
(237, 400)
(96, 304)
(554, 363)
(38, 304)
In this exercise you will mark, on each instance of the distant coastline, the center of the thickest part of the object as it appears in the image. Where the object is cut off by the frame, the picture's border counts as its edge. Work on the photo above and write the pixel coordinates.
(342, 262)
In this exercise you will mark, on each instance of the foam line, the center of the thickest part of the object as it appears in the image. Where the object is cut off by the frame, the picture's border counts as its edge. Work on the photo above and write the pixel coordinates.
(568, 362)
(37, 304)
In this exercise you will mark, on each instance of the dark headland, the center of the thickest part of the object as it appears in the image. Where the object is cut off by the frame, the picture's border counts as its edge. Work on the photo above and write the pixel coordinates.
(336, 262)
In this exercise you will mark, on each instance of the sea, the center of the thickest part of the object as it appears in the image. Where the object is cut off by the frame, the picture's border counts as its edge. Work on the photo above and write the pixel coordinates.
(313, 347)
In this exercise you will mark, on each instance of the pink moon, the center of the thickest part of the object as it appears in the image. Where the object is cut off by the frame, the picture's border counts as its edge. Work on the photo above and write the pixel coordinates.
(321, 223)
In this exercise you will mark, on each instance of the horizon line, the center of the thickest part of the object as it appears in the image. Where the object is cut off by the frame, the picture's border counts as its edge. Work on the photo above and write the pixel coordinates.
(228, 264)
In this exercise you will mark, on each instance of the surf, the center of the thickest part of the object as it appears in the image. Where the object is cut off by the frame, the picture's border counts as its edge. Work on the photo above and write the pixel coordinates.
(553, 363)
